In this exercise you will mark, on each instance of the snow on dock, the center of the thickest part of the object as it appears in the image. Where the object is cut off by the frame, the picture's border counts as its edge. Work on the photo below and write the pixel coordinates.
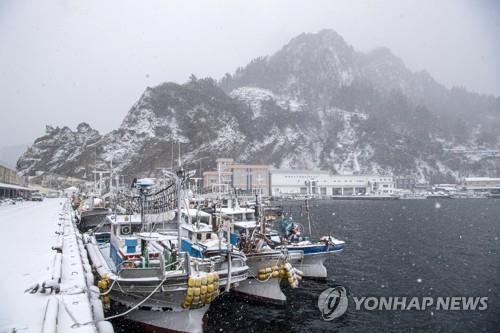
(30, 231)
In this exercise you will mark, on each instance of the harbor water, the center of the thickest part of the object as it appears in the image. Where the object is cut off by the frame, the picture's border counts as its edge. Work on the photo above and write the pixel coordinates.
(412, 248)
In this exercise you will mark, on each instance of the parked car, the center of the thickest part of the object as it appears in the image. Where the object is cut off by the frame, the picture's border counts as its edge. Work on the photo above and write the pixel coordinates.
(36, 197)
(7, 201)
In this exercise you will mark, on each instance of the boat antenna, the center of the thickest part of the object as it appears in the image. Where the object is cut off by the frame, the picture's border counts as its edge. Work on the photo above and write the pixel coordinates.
(179, 160)
(172, 158)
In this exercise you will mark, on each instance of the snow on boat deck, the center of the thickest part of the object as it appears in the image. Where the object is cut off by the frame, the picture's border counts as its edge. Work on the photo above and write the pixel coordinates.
(26, 237)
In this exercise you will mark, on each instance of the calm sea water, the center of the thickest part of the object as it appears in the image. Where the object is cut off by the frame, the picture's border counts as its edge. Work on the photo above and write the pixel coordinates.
(393, 248)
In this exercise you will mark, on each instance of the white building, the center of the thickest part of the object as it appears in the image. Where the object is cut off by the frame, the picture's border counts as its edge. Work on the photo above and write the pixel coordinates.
(323, 183)
(481, 184)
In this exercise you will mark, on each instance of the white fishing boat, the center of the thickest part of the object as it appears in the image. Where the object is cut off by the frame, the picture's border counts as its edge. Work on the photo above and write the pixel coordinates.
(314, 253)
(145, 278)
(141, 269)
(267, 266)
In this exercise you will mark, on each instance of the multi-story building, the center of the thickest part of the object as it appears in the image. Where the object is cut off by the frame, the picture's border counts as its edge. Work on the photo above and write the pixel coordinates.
(9, 176)
(11, 184)
(323, 183)
(406, 183)
(481, 184)
(245, 178)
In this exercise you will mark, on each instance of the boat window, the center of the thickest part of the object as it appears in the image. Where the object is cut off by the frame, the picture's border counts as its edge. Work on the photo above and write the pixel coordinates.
(238, 217)
(198, 236)
(209, 236)
(205, 219)
(250, 216)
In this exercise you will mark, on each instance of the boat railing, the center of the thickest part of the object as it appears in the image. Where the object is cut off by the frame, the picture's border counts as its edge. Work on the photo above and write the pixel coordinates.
(136, 273)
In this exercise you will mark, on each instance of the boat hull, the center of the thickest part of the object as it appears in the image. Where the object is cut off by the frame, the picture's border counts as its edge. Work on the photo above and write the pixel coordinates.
(172, 321)
(312, 265)
(314, 256)
(268, 290)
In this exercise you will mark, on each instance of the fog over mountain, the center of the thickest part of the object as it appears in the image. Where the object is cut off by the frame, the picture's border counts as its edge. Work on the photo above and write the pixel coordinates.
(316, 103)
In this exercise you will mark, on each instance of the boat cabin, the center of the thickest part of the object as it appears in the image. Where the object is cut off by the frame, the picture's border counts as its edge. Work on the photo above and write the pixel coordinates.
(128, 244)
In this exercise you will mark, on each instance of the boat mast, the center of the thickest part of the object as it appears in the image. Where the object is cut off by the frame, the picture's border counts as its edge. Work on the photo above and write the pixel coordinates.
(178, 180)
(218, 216)
(308, 217)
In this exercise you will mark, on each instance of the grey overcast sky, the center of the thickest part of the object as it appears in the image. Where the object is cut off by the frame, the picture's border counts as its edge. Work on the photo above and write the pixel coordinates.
(63, 62)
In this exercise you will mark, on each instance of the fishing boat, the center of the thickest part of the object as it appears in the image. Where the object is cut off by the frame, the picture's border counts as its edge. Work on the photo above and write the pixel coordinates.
(267, 266)
(92, 214)
(288, 234)
(142, 270)
(314, 254)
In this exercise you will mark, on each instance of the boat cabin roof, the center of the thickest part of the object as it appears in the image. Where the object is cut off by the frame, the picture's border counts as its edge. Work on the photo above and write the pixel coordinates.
(192, 212)
(238, 210)
(125, 219)
(245, 225)
(153, 236)
(202, 227)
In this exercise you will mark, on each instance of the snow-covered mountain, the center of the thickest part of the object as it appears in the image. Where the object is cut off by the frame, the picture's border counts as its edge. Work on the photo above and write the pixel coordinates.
(316, 103)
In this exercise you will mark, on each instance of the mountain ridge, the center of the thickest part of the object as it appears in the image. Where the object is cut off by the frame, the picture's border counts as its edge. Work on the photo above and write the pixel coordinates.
(315, 103)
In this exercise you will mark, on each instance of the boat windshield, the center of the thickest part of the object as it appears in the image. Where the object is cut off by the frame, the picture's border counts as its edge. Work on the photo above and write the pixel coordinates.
(237, 217)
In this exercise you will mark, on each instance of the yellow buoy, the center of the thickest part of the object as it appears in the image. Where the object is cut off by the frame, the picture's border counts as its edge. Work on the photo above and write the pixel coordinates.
(210, 277)
(191, 281)
(210, 288)
(197, 282)
(106, 299)
(203, 289)
(102, 284)
(204, 279)
(196, 291)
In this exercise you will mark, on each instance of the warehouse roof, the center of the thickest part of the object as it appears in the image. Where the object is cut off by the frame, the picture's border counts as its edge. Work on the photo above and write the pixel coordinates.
(16, 187)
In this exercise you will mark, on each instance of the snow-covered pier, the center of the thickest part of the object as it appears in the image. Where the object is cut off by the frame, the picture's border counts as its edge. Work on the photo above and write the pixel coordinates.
(48, 282)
